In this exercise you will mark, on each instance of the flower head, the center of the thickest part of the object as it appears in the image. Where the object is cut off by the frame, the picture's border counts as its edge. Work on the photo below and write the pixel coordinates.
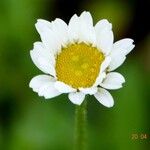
(78, 59)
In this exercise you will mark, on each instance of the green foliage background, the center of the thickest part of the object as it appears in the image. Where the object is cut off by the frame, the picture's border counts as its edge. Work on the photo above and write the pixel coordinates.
(29, 122)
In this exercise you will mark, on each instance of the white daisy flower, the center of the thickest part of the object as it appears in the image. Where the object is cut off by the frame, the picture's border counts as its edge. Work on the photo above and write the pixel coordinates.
(78, 59)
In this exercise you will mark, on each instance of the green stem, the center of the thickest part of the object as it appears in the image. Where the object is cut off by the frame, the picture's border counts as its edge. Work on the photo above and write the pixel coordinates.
(80, 126)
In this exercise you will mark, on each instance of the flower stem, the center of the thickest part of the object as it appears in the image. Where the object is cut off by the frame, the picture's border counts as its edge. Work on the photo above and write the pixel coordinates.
(80, 126)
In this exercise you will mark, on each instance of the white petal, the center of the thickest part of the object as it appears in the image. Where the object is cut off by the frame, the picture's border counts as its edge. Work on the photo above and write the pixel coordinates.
(81, 29)
(90, 91)
(42, 24)
(41, 49)
(86, 29)
(100, 78)
(44, 86)
(118, 54)
(105, 41)
(73, 28)
(102, 71)
(43, 59)
(104, 36)
(39, 81)
(123, 46)
(48, 91)
(105, 64)
(61, 30)
(116, 61)
(104, 97)
(103, 24)
(48, 37)
(113, 80)
(76, 98)
(54, 34)
(86, 16)
(63, 88)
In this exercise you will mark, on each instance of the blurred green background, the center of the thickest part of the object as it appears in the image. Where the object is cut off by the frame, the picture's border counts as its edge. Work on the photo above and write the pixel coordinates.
(29, 122)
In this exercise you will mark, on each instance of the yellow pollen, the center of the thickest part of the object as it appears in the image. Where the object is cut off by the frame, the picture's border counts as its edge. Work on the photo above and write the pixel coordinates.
(75, 58)
(85, 65)
(78, 73)
(78, 65)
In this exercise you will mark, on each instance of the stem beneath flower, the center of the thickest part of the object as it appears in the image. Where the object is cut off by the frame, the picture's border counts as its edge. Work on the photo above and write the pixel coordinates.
(80, 126)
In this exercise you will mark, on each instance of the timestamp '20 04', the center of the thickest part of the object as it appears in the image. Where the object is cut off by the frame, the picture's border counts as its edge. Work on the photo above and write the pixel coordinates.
(140, 136)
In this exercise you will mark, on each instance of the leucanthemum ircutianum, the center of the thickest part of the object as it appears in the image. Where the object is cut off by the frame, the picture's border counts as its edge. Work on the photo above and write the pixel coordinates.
(79, 59)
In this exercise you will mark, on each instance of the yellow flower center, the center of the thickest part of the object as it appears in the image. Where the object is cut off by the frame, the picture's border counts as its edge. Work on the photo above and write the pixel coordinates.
(78, 65)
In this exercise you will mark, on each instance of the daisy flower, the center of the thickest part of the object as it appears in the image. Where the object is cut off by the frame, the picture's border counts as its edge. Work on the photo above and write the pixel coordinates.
(78, 58)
